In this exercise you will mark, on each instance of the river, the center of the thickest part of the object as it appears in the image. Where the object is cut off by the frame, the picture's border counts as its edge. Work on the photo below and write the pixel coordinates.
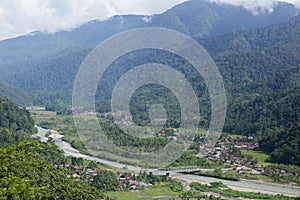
(70, 151)
(242, 185)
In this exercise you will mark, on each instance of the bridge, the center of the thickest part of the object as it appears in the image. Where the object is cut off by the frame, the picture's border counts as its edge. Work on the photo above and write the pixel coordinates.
(185, 169)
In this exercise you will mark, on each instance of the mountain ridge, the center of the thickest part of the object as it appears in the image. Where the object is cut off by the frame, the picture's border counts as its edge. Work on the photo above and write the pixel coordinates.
(184, 17)
(26, 55)
(260, 68)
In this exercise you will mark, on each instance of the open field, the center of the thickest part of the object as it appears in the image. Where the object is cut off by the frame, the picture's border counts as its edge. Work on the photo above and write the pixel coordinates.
(258, 155)
(64, 124)
(148, 193)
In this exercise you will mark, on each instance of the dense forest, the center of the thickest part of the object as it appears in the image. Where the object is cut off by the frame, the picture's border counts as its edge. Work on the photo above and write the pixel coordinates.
(27, 172)
(283, 144)
(28, 168)
(261, 71)
(15, 123)
(260, 68)
(15, 94)
(257, 56)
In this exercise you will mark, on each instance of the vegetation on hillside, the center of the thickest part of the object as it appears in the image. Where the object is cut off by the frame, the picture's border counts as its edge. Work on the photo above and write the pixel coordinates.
(15, 123)
(260, 69)
(25, 174)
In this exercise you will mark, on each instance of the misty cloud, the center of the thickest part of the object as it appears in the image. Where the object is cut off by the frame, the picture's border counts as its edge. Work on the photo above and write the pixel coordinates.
(257, 4)
(19, 17)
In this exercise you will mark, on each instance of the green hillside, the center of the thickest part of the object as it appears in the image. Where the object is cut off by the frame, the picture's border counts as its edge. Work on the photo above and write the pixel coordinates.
(259, 66)
(15, 94)
(32, 176)
(15, 123)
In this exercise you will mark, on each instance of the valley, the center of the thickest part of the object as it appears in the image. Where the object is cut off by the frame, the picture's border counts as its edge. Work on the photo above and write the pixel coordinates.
(242, 183)
(135, 134)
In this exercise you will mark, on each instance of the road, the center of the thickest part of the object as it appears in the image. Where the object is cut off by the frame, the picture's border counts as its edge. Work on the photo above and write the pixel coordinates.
(242, 185)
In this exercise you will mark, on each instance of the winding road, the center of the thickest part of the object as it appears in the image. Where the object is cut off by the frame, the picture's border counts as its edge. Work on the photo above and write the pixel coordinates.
(242, 185)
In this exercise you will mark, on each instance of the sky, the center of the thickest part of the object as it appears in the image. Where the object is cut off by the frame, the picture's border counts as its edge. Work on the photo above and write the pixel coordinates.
(19, 17)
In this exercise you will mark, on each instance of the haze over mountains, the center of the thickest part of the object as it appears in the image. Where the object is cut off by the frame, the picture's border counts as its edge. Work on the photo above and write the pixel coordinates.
(257, 55)
(24, 59)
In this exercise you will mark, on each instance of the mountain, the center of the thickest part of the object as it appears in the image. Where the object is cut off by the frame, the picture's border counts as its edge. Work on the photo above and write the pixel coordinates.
(203, 18)
(45, 65)
(40, 62)
(261, 71)
(22, 51)
(195, 17)
(260, 68)
(281, 35)
(257, 55)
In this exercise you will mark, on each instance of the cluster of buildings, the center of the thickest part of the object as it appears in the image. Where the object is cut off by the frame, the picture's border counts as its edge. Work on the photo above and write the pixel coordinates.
(126, 180)
(83, 173)
(120, 118)
(226, 157)
(279, 172)
(240, 145)
(224, 153)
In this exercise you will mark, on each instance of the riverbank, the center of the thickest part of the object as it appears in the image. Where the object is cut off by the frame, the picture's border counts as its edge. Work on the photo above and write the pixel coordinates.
(70, 151)
(242, 185)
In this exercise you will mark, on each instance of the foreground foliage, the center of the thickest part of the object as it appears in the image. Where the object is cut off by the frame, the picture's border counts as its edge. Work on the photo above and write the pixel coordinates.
(24, 174)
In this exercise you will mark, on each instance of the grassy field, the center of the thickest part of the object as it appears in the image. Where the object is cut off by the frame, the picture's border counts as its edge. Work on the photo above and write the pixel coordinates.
(151, 192)
(258, 155)
(64, 124)
(41, 115)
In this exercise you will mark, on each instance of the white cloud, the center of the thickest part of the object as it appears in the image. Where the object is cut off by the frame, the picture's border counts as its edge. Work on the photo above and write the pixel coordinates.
(254, 4)
(23, 16)
(145, 7)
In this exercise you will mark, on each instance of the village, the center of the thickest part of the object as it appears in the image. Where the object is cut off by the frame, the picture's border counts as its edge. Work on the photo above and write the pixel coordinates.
(225, 153)
(126, 180)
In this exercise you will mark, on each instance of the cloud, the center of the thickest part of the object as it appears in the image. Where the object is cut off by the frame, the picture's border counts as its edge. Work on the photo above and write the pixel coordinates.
(23, 16)
(146, 7)
(257, 4)
(19, 17)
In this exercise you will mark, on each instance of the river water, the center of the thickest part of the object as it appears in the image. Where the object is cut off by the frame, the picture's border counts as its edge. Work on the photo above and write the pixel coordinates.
(244, 185)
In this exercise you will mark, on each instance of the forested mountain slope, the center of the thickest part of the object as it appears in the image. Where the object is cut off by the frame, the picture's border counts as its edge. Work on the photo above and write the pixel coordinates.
(41, 62)
(15, 123)
(195, 17)
(203, 18)
(261, 81)
(260, 66)
(15, 94)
